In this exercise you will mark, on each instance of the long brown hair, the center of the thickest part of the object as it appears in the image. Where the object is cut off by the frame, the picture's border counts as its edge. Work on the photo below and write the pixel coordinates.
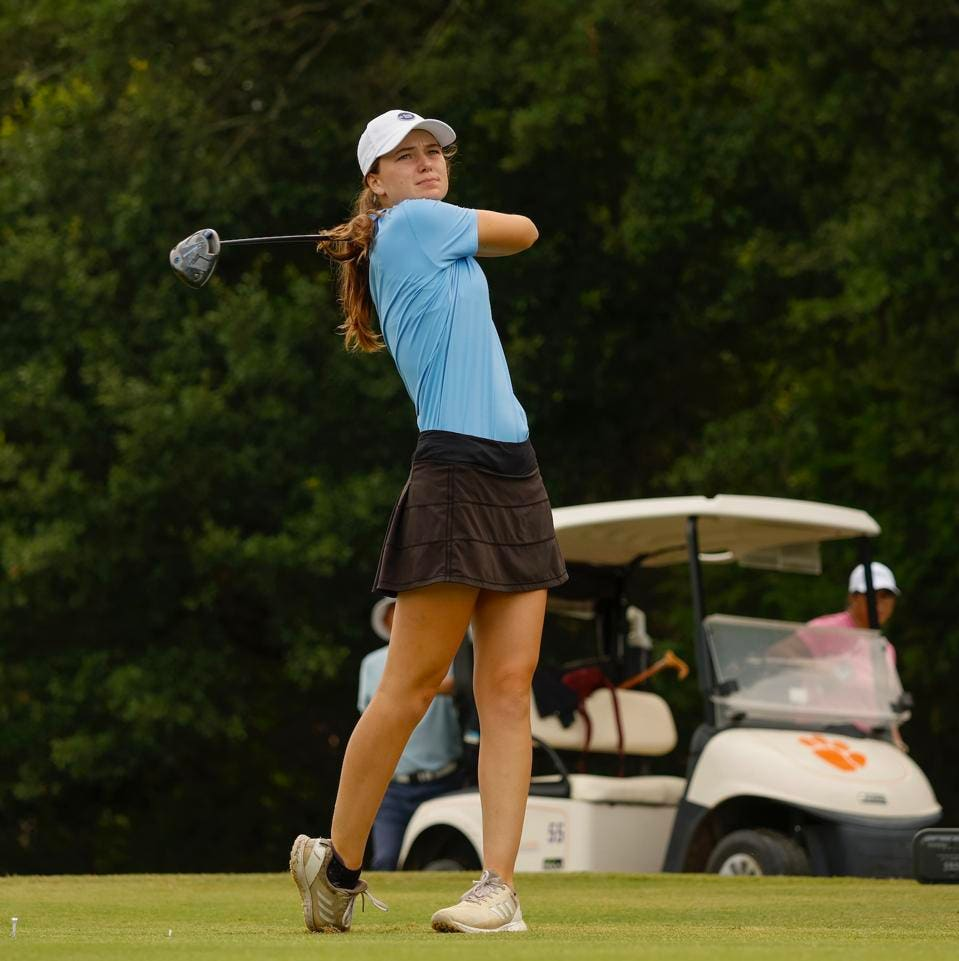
(349, 247)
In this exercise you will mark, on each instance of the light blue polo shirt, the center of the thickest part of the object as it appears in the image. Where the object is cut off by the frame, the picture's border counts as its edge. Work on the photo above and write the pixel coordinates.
(433, 304)
(435, 741)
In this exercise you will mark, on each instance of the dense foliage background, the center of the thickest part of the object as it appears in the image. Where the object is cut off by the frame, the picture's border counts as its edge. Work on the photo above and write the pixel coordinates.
(746, 282)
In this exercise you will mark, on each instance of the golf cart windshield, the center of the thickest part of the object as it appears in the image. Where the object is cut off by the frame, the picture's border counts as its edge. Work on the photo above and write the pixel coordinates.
(775, 671)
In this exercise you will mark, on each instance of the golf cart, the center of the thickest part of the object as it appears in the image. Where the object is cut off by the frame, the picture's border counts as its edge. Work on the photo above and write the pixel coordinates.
(792, 770)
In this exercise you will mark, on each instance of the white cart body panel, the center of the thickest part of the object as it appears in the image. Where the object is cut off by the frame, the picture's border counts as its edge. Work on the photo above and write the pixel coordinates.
(813, 771)
(562, 834)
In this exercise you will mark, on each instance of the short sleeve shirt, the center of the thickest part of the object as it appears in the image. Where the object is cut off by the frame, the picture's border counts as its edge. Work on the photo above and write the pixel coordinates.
(855, 658)
(821, 645)
(434, 309)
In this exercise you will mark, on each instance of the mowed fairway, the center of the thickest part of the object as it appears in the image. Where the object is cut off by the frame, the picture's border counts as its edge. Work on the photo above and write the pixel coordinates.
(257, 917)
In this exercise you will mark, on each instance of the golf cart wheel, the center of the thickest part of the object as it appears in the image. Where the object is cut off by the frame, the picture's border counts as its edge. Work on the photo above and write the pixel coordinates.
(445, 864)
(757, 852)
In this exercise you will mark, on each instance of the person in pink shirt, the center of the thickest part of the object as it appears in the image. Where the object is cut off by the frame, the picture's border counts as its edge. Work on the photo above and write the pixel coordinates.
(856, 616)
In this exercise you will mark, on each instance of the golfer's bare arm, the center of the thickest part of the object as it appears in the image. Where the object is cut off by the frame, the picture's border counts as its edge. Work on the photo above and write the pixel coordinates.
(503, 234)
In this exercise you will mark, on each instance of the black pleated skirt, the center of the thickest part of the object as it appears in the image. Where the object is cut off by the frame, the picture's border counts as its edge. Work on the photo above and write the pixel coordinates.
(473, 511)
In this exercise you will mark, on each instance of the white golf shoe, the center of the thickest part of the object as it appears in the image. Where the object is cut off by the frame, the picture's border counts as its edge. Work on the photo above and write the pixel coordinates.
(490, 906)
(326, 907)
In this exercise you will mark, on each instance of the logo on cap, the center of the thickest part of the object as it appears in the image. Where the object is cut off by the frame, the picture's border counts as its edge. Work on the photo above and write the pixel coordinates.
(404, 116)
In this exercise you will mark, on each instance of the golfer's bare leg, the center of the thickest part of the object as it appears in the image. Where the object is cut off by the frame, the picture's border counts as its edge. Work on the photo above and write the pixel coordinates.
(428, 625)
(507, 629)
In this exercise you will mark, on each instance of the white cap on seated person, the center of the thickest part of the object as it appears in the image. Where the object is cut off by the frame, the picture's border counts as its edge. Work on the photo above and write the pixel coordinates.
(381, 618)
(882, 579)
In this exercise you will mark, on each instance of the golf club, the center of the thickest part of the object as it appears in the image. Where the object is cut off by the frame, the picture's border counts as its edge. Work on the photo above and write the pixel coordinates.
(194, 259)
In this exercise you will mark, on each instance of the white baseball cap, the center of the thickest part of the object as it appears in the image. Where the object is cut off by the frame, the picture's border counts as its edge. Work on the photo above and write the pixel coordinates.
(378, 617)
(387, 131)
(882, 579)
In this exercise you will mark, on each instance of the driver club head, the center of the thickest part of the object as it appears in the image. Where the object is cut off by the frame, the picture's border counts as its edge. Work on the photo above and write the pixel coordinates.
(193, 260)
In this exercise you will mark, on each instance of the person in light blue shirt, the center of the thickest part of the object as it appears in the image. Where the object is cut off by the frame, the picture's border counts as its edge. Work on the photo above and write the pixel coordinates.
(429, 765)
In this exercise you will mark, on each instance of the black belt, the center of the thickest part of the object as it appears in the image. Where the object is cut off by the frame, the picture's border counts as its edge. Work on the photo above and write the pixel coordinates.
(424, 777)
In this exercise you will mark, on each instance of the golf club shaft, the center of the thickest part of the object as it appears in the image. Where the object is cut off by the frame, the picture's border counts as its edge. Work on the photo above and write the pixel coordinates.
(287, 239)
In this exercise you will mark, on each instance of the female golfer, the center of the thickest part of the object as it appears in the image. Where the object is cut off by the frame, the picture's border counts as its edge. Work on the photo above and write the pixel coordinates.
(471, 537)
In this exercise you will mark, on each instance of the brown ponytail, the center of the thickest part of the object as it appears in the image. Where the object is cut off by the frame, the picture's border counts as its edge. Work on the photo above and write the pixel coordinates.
(350, 248)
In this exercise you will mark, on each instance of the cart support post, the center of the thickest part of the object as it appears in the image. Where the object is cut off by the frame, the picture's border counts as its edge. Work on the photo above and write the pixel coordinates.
(865, 558)
(703, 664)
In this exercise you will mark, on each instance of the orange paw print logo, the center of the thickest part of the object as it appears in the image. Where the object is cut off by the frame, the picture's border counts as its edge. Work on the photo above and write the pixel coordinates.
(836, 753)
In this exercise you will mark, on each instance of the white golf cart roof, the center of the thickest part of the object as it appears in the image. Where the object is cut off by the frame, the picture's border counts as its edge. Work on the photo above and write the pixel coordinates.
(731, 528)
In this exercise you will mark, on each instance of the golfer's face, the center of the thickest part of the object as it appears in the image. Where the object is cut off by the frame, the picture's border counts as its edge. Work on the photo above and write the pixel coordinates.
(416, 168)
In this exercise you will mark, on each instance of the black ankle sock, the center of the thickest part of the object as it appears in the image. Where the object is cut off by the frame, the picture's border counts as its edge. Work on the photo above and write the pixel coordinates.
(339, 875)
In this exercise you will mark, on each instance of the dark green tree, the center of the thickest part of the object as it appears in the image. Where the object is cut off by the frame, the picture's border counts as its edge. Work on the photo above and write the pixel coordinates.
(743, 284)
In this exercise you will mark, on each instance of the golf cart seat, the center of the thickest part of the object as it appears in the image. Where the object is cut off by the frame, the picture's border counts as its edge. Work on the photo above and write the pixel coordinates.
(648, 728)
(648, 731)
(644, 789)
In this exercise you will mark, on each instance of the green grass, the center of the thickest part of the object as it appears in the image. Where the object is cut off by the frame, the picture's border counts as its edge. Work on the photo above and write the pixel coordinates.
(257, 917)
